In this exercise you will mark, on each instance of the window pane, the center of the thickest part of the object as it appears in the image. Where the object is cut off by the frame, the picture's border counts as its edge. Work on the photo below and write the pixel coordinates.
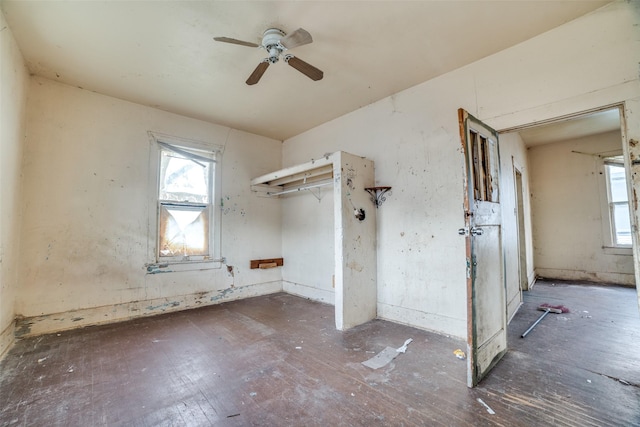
(184, 231)
(617, 183)
(484, 169)
(183, 180)
(477, 167)
(622, 224)
(492, 171)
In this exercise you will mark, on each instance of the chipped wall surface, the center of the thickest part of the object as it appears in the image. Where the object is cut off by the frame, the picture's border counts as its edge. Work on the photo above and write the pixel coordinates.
(415, 148)
(413, 139)
(86, 231)
(13, 98)
(355, 241)
(37, 325)
(567, 218)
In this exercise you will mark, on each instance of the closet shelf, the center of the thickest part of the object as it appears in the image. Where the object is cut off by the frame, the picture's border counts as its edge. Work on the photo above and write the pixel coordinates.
(313, 174)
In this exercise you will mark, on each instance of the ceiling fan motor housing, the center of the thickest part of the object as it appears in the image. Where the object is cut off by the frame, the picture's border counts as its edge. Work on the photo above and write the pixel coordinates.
(271, 42)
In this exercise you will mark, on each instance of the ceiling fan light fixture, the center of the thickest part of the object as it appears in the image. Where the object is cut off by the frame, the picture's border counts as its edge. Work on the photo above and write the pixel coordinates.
(274, 54)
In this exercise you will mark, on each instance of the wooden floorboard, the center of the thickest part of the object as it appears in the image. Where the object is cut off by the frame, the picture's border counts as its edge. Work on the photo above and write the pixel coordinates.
(278, 361)
(568, 370)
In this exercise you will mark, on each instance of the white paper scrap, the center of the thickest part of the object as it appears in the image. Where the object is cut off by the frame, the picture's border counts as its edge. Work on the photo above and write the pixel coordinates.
(385, 356)
(382, 358)
(404, 346)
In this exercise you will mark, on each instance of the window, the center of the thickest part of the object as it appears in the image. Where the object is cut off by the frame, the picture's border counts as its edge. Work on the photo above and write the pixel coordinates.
(620, 224)
(485, 167)
(185, 191)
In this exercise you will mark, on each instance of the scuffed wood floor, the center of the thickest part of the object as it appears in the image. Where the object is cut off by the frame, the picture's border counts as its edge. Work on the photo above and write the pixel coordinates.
(278, 361)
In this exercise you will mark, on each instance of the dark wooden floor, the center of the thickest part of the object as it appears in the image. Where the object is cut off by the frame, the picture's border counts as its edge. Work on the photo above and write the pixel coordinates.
(278, 361)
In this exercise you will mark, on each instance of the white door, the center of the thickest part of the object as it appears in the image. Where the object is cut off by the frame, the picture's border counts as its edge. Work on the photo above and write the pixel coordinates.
(486, 300)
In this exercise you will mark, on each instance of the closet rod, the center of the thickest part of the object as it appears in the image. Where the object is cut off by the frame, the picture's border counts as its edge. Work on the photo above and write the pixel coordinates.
(293, 190)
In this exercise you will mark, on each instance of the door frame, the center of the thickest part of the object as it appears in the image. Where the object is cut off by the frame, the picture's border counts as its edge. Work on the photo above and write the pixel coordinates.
(523, 270)
(629, 127)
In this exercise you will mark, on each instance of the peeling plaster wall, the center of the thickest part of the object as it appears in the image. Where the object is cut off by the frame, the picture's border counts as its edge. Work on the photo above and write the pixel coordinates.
(355, 242)
(86, 228)
(567, 192)
(416, 149)
(414, 141)
(13, 99)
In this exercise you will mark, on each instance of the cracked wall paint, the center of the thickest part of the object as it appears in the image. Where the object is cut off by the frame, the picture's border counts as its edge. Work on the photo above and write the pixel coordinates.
(427, 288)
(89, 240)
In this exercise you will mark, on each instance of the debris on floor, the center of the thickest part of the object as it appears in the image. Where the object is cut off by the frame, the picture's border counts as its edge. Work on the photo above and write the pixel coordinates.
(385, 356)
(460, 354)
(403, 348)
(489, 410)
(547, 308)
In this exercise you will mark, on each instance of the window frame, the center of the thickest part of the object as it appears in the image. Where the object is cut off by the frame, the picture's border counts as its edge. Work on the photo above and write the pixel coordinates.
(180, 263)
(607, 206)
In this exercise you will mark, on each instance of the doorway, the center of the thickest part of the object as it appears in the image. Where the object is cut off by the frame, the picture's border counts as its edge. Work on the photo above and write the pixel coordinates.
(558, 220)
(580, 220)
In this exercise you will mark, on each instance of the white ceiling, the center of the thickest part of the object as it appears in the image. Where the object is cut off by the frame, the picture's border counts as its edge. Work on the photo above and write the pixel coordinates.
(590, 124)
(162, 53)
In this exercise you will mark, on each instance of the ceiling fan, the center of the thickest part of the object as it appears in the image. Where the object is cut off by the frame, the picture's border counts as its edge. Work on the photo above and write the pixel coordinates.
(276, 42)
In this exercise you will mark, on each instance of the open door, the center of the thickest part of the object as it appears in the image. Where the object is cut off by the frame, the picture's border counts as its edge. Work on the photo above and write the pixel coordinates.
(486, 293)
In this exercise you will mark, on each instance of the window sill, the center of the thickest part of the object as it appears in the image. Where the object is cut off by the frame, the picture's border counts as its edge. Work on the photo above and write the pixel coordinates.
(178, 266)
(617, 250)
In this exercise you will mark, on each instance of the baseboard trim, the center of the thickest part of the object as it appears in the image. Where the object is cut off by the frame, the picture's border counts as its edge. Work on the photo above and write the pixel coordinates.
(531, 280)
(431, 322)
(604, 278)
(56, 322)
(7, 338)
(309, 292)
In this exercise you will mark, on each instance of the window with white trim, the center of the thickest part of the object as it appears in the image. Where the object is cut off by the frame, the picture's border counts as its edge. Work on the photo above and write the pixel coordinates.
(618, 202)
(187, 221)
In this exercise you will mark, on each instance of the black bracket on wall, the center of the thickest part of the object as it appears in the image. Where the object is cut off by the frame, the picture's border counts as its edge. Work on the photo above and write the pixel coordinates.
(377, 194)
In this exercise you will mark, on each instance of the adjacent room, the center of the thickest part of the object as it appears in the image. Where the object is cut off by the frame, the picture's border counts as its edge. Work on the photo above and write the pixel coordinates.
(200, 227)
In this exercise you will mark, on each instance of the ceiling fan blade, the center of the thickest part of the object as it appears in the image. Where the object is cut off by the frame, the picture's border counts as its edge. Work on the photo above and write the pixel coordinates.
(257, 73)
(307, 69)
(297, 38)
(235, 41)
